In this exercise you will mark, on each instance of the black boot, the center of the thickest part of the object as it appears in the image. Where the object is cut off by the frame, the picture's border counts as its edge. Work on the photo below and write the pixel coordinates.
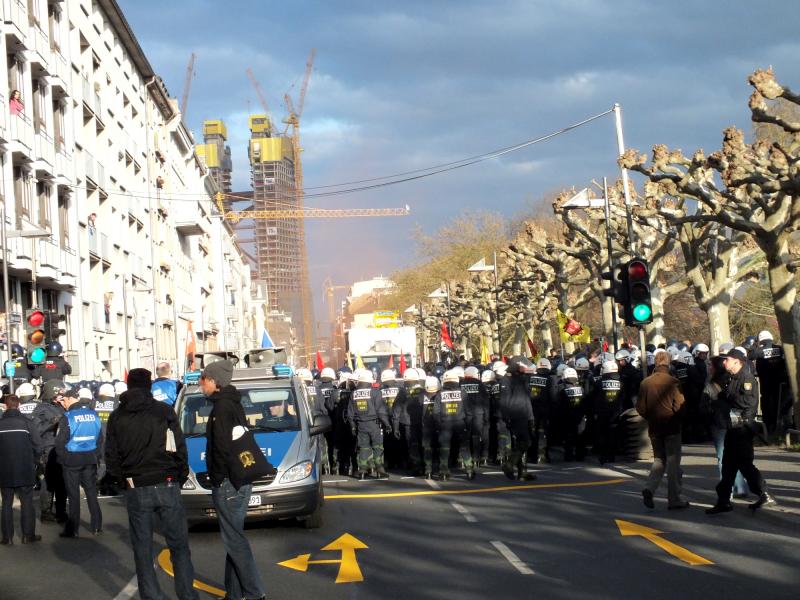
(719, 507)
(763, 500)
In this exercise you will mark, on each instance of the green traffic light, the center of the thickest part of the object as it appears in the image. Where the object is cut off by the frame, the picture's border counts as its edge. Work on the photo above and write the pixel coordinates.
(37, 356)
(642, 312)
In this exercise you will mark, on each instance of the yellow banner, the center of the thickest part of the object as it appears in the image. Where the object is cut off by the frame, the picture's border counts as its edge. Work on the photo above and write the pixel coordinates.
(572, 331)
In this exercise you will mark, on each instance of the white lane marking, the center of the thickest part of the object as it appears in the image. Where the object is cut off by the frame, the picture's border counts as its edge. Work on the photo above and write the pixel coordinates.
(334, 481)
(408, 477)
(433, 484)
(492, 473)
(464, 512)
(512, 558)
(129, 591)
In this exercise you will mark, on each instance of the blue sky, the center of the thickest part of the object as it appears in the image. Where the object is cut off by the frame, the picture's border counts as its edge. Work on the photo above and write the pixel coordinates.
(405, 85)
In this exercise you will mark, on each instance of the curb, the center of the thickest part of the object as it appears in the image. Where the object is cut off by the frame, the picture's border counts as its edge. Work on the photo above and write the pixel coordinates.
(775, 516)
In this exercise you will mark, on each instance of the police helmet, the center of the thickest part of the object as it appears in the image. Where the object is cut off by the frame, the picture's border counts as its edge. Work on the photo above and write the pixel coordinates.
(725, 348)
(686, 358)
(742, 350)
(315, 373)
(472, 373)
(328, 374)
(431, 384)
(17, 350)
(764, 336)
(25, 390)
(120, 387)
(570, 373)
(650, 348)
(459, 371)
(52, 388)
(543, 363)
(365, 376)
(519, 364)
(609, 367)
(651, 359)
(499, 365)
(106, 390)
(682, 347)
(622, 355)
(388, 375)
(438, 371)
(304, 374)
(582, 364)
(606, 356)
(700, 348)
(54, 349)
(560, 369)
(422, 374)
(450, 376)
(749, 341)
(674, 352)
(85, 394)
(488, 376)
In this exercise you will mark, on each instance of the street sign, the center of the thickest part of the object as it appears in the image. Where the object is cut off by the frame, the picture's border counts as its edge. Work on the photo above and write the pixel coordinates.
(349, 571)
(626, 528)
(14, 318)
(582, 200)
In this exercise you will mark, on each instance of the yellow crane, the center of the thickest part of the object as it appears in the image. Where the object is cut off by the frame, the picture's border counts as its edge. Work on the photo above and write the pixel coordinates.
(260, 93)
(314, 213)
(187, 84)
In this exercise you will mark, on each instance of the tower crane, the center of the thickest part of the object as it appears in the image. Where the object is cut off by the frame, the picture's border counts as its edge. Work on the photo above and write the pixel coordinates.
(260, 93)
(187, 84)
(329, 290)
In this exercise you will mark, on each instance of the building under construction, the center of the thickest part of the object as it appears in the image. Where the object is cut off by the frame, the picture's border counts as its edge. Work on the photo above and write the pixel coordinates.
(216, 153)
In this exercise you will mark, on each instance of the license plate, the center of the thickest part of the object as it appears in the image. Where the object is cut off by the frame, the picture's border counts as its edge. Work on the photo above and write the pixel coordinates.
(255, 500)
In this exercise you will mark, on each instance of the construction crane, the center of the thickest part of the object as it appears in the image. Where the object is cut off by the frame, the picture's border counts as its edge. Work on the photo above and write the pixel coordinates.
(187, 84)
(313, 213)
(329, 290)
(261, 98)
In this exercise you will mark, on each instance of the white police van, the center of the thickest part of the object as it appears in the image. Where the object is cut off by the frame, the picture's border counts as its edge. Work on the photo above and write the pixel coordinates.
(277, 409)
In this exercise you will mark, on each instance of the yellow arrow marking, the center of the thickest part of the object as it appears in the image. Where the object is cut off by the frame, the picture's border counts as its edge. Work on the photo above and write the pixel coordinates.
(165, 563)
(349, 571)
(627, 528)
(508, 488)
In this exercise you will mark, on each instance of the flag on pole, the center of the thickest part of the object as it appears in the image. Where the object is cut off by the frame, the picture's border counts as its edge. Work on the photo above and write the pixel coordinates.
(571, 330)
(191, 348)
(266, 340)
(350, 361)
(402, 367)
(446, 336)
(320, 362)
(485, 358)
(391, 362)
(359, 362)
(532, 347)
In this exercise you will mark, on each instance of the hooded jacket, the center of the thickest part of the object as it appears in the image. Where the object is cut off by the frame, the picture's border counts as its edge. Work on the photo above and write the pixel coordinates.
(227, 413)
(136, 441)
(20, 446)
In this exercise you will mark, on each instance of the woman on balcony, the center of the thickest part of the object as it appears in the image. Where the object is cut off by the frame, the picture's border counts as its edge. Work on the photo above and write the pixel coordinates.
(15, 105)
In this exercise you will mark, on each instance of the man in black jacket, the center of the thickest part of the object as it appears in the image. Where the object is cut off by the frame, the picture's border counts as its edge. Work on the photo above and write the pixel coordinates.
(242, 578)
(20, 446)
(145, 449)
(47, 415)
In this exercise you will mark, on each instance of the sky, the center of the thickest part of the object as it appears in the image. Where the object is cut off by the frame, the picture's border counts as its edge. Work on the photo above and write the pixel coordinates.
(399, 86)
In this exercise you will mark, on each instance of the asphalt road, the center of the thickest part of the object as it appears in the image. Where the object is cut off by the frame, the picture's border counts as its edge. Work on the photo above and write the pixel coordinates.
(557, 537)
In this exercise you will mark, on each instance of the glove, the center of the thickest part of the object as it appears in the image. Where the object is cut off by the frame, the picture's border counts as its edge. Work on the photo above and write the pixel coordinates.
(353, 430)
(397, 433)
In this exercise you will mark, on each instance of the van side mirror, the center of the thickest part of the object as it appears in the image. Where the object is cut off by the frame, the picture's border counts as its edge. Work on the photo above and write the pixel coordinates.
(322, 424)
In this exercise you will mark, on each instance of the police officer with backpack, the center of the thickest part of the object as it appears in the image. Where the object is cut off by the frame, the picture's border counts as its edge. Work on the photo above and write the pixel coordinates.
(78, 444)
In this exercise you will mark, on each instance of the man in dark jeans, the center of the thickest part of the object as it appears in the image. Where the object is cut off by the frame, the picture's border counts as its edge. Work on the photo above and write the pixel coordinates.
(146, 451)
(242, 579)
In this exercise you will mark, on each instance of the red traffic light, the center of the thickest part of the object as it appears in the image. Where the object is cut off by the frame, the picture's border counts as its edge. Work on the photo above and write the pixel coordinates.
(36, 318)
(637, 270)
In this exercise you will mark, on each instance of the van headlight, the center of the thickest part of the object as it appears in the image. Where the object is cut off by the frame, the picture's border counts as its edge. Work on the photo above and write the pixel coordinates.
(297, 472)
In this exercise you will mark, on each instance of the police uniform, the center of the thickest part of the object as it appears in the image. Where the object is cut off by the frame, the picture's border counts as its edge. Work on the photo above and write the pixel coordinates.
(776, 398)
(451, 416)
(572, 404)
(516, 411)
(541, 392)
(326, 389)
(394, 455)
(165, 390)
(317, 402)
(54, 367)
(476, 400)
(366, 413)
(607, 408)
(344, 440)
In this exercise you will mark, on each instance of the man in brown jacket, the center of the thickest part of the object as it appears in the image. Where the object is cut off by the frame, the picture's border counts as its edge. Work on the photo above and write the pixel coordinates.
(661, 404)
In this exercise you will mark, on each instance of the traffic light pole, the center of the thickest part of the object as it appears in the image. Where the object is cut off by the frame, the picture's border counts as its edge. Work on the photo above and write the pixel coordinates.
(610, 266)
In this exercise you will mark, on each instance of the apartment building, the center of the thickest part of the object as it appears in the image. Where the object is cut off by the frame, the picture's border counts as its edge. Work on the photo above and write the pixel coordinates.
(98, 164)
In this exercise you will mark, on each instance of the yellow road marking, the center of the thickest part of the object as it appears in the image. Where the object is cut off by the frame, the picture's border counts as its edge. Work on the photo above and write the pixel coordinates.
(508, 488)
(654, 535)
(349, 571)
(165, 563)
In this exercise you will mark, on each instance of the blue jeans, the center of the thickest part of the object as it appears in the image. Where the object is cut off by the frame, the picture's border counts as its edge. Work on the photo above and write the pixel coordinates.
(739, 485)
(164, 500)
(242, 578)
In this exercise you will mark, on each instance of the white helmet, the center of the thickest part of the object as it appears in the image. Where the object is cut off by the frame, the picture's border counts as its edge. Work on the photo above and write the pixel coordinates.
(725, 348)
(487, 376)
(609, 367)
(120, 387)
(570, 373)
(422, 374)
(622, 355)
(328, 373)
(25, 389)
(411, 375)
(686, 358)
(543, 363)
(305, 374)
(560, 369)
(431, 384)
(499, 365)
(344, 376)
(106, 390)
(472, 373)
(459, 371)
(764, 336)
(85, 394)
(742, 350)
(700, 348)
(388, 375)
(364, 376)
(674, 352)
(607, 356)
(450, 376)
(582, 364)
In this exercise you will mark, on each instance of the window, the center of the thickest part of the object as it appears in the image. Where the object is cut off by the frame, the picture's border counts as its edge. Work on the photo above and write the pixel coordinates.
(43, 194)
(22, 194)
(39, 112)
(33, 12)
(15, 68)
(59, 120)
(54, 21)
(63, 220)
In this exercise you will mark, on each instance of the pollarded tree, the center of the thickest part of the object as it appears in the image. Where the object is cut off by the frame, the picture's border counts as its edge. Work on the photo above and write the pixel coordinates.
(752, 188)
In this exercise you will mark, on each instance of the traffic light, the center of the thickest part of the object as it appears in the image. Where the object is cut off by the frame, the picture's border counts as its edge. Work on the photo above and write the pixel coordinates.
(35, 336)
(639, 305)
(618, 289)
(51, 325)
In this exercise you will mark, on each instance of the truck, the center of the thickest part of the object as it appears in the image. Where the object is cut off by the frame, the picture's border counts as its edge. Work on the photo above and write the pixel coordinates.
(381, 346)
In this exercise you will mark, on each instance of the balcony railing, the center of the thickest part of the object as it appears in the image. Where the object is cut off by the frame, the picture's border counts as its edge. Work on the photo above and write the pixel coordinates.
(43, 147)
(41, 44)
(21, 130)
(88, 93)
(105, 248)
(94, 242)
(48, 255)
(69, 262)
(98, 107)
(98, 317)
(3, 116)
(17, 14)
(63, 164)
(58, 65)
(101, 176)
(90, 172)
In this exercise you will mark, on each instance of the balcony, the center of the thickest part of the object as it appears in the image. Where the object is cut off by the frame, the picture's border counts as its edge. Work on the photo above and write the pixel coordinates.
(21, 130)
(94, 243)
(101, 176)
(105, 248)
(97, 106)
(98, 317)
(43, 149)
(88, 94)
(41, 44)
(232, 312)
(16, 14)
(63, 165)
(3, 117)
(48, 259)
(59, 68)
(69, 263)
(90, 170)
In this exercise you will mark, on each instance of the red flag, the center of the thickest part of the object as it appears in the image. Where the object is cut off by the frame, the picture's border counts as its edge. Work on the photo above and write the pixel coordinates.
(446, 336)
(191, 348)
(531, 346)
(605, 346)
(320, 363)
(402, 368)
(125, 378)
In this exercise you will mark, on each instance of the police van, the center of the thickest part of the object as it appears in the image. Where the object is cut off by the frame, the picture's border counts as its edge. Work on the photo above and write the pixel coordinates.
(278, 411)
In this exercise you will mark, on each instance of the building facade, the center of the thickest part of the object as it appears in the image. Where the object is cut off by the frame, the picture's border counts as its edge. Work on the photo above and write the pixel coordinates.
(99, 166)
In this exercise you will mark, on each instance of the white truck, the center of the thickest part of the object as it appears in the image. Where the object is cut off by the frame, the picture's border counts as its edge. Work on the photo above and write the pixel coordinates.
(380, 347)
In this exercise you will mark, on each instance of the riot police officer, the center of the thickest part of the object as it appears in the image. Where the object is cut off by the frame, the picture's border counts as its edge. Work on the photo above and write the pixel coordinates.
(408, 430)
(631, 378)
(55, 367)
(572, 407)
(476, 401)
(541, 399)
(774, 381)
(496, 423)
(326, 387)
(344, 440)
(429, 433)
(366, 413)
(47, 415)
(389, 393)
(451, 418)
(607, 408)
(516, 410)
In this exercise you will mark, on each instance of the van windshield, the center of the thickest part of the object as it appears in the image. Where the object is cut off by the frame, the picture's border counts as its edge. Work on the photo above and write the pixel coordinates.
(266, 409)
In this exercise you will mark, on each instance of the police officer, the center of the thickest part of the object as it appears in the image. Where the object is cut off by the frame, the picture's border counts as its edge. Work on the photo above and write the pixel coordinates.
(78, 442)
(366, 413)
(47, 414)
(774, 379)
(326, 387)
(163, 388)
(476, 404)
(541, 400)
(429, 432)
(55, 367)
(105, 404)
(27, 399)
(317, 405)
(492, 390)
(607, 401)
(515, 406)
(451, 418)
(22, 372)
(741, 398)
(389, 393)
(572, 403)
(344, 440)
(408, 432)
(631, 378)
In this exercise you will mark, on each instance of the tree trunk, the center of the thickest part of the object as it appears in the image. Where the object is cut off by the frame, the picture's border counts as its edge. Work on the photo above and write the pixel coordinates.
(608, 322)
(519, 336)
(655, 330)
(546, 336)
(784, 295)
(719, 325)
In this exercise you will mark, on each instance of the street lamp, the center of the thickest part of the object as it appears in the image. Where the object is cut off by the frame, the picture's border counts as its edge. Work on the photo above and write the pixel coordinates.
(479, 267)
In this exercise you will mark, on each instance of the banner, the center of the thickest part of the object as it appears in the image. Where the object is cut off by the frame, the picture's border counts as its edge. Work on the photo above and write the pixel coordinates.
(571, 330)
(402, 368)
(320, 362)
(446, 336)
(485, 357)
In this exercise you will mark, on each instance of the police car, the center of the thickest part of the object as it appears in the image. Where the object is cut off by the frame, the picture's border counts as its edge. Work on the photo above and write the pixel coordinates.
(277, 409)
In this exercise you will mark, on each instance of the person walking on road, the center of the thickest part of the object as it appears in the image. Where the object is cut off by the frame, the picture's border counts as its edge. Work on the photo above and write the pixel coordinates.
(145, 447)
(661, 404)
(242, 579)
(20, 446)
(741, 398)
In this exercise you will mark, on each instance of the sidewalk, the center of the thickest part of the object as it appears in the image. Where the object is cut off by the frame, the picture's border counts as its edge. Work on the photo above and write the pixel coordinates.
(781, 469)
